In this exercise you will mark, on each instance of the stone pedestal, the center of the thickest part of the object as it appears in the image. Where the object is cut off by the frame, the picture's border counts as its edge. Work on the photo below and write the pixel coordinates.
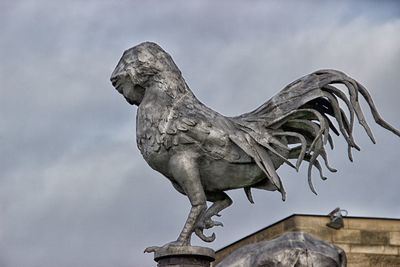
(189, 256)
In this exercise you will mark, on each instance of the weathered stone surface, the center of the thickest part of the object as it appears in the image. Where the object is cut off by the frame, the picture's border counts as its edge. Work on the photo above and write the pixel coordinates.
(383, 261)
(289, 224)
(394, 238)
(368, 249)
(357, 260)
(311, 222)
(378, 225)
(374, 237)
(289, 250)
(323, 233)
(347, 236)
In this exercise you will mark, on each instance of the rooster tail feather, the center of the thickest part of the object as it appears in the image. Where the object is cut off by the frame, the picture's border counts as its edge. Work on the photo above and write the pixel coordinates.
(300, 114)
(264, 161)
(267, 142)
(377, 117)
(247, 191)
(249, 145)
(301, 140)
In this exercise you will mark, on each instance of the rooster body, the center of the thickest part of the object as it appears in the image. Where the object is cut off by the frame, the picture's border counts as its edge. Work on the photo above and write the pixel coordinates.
(204, 153)
(196, 129)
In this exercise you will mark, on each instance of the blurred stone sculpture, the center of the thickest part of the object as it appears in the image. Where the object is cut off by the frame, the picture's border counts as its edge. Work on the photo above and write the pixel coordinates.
(293, 249)
(204, 153)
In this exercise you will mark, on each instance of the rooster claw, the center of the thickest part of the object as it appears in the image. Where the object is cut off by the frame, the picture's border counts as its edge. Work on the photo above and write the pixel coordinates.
(203, 237)
(151, 249)
(210, 224)
(166, 246)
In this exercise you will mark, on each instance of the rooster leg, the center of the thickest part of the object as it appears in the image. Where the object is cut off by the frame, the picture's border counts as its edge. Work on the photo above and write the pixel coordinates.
(186, 173)
(186, 176)
(221, 201)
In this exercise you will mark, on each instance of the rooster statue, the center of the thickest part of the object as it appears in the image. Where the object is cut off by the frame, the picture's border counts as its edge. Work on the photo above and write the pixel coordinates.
(204, 153)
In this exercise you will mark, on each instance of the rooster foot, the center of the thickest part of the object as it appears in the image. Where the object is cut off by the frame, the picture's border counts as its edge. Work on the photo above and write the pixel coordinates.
(151, 249)
(206, 223)
(166, 246)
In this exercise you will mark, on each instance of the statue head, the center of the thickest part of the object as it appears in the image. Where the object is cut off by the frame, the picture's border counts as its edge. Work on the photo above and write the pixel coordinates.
(138, 67)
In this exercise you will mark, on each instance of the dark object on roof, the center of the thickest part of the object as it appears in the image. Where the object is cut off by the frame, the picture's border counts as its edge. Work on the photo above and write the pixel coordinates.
(291, 249)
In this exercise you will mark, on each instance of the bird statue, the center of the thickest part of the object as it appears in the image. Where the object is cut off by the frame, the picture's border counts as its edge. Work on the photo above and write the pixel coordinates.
(204, 153)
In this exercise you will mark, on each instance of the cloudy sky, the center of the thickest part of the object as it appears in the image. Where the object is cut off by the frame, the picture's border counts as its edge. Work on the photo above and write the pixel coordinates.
(74, 190)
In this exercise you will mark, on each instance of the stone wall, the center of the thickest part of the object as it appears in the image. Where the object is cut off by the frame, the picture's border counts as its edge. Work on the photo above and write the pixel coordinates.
(366, 241)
